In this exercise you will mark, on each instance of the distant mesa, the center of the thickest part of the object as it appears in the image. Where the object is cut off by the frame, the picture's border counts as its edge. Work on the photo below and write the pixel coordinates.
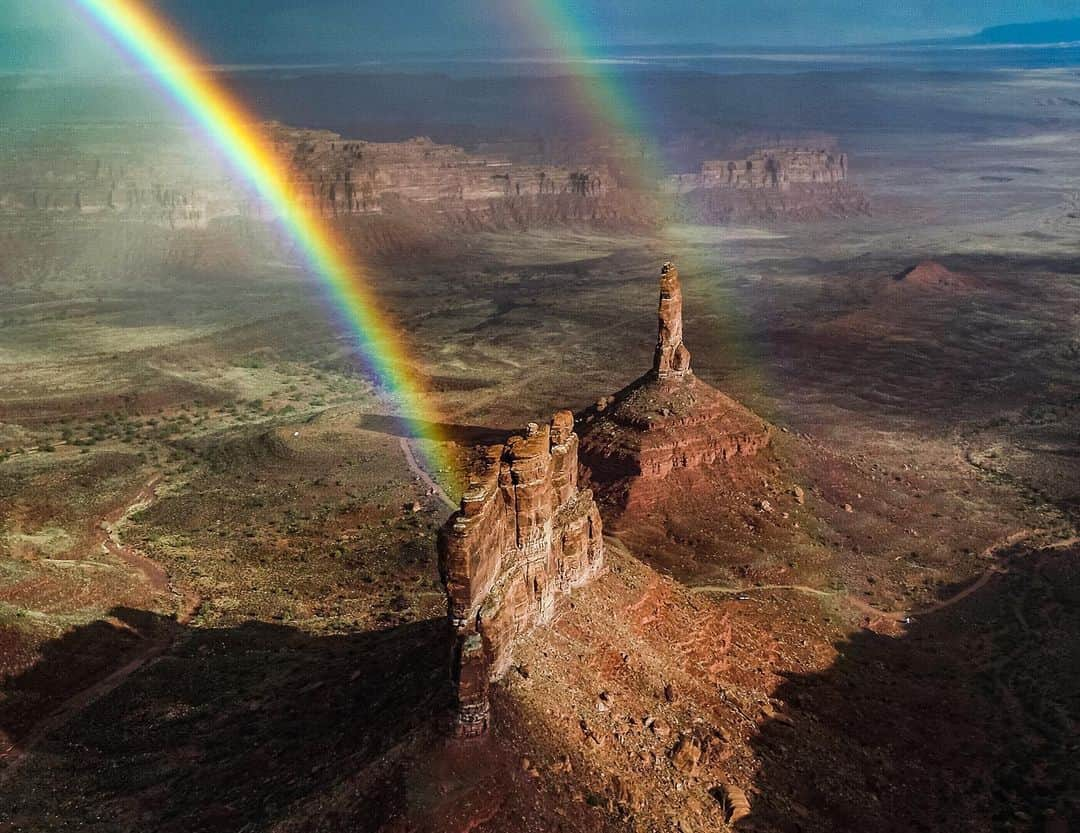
(1040, 32)
(778, 168)
(931, 275)
(391, 193)
(525, 535)
(335, 176)
(329, 175)
(777, 183)
(665, 421)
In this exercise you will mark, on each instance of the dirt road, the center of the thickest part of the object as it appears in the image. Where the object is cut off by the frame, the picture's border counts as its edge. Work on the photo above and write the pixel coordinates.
(416, 469)
(993, 551)
(187, 604)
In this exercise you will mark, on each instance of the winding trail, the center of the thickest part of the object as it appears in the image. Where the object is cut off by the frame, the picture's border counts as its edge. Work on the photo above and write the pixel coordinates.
(993, 551)
(418, 470)
(151, 571)
(187, 605)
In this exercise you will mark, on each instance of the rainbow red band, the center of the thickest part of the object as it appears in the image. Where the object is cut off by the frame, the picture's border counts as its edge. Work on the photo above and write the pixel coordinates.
(149, 40)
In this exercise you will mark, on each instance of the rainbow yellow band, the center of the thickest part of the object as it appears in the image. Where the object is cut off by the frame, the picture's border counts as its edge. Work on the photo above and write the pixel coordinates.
(155, 46)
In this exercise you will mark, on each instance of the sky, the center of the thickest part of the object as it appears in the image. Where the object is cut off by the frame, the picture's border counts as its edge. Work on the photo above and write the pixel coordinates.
(44, 34)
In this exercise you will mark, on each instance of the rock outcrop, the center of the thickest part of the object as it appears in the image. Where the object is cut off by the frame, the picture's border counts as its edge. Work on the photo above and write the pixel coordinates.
(666, 420)
(525, 535)
(930, 275)
(671, 359)
(338, 176)
(178, 185)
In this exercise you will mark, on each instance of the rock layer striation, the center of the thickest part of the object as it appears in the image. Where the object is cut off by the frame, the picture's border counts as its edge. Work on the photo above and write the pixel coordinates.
(778, 168)
(671, 359)
(665, 421)
(525, 535)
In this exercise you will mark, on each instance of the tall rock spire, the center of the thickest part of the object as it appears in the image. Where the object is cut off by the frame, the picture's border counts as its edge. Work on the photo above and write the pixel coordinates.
(662, 422)
(671, 357)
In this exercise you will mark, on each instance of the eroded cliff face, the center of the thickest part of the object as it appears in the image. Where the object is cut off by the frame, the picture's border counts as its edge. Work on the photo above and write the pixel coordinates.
(768, 168)
(174, 183)
(665, 421)
(771, 184)
(337, 176)
(525, 535)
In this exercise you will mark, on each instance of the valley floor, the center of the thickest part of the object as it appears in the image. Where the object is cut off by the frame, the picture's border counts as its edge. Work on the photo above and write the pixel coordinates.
(219, 603)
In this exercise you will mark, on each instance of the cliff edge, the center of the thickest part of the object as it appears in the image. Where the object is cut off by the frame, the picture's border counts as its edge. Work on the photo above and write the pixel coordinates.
(525, 535)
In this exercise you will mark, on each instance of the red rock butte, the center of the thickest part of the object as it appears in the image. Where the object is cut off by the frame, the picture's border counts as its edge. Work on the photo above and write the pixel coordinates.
(525, 535)
(666, 420)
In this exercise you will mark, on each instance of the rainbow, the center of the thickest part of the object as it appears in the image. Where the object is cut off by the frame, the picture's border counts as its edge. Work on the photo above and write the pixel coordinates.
(572, 31)
(565, 27)
(155, 46)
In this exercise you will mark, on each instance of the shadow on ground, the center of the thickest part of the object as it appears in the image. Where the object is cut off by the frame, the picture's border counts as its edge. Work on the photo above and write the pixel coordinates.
(468, 435)
(238, 728)
(967, 722)
(74, 662)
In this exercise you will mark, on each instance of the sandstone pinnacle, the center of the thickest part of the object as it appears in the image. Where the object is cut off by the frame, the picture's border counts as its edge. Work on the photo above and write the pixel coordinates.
(671, 357)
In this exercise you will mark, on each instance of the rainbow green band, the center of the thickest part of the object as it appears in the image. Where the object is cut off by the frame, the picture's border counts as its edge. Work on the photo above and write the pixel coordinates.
(605, 103)
(154, 45)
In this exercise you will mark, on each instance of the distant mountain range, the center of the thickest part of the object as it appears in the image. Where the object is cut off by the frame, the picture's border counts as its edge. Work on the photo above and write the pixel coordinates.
(1045, 31)
(1026, 34)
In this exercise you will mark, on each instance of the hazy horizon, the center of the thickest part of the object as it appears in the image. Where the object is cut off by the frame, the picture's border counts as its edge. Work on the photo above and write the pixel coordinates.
(54, 34)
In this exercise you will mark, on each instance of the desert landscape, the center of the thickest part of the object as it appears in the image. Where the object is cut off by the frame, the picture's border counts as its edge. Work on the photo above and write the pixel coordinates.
(759, 490)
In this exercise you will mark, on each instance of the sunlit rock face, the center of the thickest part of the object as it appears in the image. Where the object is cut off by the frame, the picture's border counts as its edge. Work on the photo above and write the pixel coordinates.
(525, 535)
(671, 359)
